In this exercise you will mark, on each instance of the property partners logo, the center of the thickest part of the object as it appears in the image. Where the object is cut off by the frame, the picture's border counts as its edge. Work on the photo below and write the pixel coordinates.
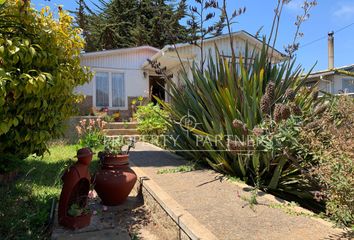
(189, 135)
(188, 123)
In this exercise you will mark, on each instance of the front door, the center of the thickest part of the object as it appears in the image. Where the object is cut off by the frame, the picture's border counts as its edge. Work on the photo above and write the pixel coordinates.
(157, 88)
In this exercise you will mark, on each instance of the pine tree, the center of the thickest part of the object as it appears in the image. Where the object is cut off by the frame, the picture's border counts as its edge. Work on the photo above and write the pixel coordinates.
(128, 23)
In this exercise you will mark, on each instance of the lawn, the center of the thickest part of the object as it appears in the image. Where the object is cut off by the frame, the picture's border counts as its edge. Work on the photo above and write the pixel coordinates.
(26, 203)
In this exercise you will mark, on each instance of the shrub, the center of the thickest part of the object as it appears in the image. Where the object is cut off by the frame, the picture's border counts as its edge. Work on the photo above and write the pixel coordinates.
(328, 137)
(151, 119)
(39, 69)
(91, 133)
(108, 118)
(226, 102)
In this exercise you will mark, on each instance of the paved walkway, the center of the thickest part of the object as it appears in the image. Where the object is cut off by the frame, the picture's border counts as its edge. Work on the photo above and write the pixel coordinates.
(221, 207)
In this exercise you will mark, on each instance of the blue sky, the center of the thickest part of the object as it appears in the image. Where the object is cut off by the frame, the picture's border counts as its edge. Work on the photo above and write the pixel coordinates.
(327, 16)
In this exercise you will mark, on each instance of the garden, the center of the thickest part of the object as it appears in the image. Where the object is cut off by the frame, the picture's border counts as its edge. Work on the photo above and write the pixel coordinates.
(248, 119)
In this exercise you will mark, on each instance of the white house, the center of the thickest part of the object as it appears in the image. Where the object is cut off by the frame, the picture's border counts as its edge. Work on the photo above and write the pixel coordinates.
(121, 75)
(334, 80)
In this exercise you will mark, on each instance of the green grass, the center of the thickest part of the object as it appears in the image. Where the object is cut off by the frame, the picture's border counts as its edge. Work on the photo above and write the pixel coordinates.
(25, 203)
(182, 168)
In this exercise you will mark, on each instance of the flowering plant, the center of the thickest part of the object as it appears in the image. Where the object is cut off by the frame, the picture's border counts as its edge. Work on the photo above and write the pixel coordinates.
(90, 132)
(116, 116)
(99, 112)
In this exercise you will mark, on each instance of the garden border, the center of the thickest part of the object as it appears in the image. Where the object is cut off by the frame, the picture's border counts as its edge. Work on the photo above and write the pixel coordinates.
(188, 226)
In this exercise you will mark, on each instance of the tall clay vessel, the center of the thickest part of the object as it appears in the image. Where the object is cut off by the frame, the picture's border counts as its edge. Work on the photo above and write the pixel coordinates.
(76, 185)
(115, 179)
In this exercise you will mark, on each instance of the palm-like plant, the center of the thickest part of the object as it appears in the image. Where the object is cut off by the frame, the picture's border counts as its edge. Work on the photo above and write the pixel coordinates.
(225, 92)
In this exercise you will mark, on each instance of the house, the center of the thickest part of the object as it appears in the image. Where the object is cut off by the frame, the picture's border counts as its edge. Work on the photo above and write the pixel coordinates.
(333, 80)
(121, 75)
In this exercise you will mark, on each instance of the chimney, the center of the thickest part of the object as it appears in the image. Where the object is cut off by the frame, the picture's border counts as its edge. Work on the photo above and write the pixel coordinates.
(331, 50)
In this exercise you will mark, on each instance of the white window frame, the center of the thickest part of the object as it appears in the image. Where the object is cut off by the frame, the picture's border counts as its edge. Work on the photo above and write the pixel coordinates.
(110, 101)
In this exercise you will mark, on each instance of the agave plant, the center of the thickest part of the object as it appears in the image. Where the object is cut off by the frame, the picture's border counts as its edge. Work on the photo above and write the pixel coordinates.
(228, 102)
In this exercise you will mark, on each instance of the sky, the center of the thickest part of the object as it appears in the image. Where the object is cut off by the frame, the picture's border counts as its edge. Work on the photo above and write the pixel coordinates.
(328, 15)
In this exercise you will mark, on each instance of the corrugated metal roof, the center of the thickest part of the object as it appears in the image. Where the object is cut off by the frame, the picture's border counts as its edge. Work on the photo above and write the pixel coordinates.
(333, 71)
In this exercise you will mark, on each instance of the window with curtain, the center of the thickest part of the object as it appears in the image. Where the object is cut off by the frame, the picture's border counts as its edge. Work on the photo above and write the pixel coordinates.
(118, 90)
(102, 89)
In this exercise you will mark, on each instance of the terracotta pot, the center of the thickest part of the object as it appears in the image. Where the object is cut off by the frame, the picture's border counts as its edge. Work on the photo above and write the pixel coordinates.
(114, 181)
(84, 156)
(113, 160)
(8, 177)
(77, 222)
(76, 185)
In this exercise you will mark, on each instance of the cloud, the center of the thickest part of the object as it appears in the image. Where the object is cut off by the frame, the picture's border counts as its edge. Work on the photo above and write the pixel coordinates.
(294, 5)
(344, 11)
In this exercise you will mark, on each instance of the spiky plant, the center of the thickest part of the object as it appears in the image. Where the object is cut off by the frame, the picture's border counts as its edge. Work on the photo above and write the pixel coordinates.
(257, 131)
(237, 146)
(222, 92)
(265, 104)
(290, 94)
(296, 110)
(285, 111)
(239, 125)
(270, 91)
(278, 112)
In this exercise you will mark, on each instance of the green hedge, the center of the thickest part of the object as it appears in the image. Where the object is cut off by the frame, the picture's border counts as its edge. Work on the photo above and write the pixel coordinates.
(39, 69)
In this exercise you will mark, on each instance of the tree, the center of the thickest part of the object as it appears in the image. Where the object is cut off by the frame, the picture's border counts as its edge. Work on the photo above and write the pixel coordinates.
(165, 27)
(130, 23)
(39, 69)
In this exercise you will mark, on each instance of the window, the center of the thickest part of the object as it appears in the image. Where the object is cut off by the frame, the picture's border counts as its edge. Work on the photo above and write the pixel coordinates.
(348, 85)
(102, 89)
(110, 89)
(118, 90)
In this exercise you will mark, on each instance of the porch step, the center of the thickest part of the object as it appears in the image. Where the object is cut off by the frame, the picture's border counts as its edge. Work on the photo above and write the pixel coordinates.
(123, 131)
(121, 125)
(126, 137)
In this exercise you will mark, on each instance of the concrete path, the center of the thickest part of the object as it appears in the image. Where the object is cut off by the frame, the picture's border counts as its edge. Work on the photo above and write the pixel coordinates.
(222, 207)
(131, 220)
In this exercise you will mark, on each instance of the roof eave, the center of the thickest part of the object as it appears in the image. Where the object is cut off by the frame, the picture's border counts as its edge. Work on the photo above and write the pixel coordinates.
(117, 51)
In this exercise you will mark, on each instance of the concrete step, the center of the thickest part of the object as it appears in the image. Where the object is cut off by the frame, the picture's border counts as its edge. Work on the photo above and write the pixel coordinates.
(121, 125)
(126, 137)
(123, 131)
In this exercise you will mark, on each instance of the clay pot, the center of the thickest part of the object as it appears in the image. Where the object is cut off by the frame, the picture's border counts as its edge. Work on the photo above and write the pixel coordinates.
(113, 160)
(8, 177)
(78, 222)
(115, 180)
(84, 156)
(76, 185)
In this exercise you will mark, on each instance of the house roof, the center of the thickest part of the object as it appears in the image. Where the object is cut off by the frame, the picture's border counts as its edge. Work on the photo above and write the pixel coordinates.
(327, 72)
(163, 52)
(242, 34)
(118, 51)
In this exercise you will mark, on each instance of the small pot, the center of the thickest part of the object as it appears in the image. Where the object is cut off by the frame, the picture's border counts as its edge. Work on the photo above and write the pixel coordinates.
(77, 222)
